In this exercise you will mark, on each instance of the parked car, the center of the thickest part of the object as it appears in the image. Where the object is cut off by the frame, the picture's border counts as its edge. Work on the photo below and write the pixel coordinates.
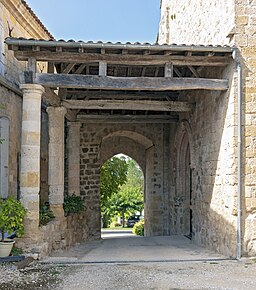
(132, 220)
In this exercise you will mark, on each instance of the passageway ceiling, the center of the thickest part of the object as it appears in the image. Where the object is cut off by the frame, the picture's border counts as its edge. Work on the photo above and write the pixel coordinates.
(109, 82)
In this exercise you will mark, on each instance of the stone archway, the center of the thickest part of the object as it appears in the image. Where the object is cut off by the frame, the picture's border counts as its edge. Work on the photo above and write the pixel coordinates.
(129, 140)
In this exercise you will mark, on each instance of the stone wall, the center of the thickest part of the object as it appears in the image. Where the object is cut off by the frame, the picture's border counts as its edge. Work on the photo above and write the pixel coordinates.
(245, 39)
(58, 235)
(142, 142)
(196, 21)
(215, 170)
(14, 15)
(10, 107)
(210, 130)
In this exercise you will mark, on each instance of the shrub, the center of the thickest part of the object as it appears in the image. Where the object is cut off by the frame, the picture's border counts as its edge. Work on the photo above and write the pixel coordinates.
(115, 224)
(45, 215)
(16, 251)
(73, 204)
(138, 228)
(12, 213)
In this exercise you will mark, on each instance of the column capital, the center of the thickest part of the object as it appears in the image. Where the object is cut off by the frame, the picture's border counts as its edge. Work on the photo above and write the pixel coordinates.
(58, 110)
(32, 88)
(74, 124)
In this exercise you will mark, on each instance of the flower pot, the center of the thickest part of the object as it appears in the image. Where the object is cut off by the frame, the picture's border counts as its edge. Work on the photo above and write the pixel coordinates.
(6, 247)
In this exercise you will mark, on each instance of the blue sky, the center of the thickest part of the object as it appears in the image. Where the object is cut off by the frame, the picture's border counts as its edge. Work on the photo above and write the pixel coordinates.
(106, 20)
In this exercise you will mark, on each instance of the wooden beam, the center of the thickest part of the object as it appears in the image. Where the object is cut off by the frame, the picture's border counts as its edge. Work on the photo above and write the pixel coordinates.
(32, 65)
(178, 73)
(142, 105)
(194, 71)
(71, 116)
(125, 83)
(168, 70)
(54, 100)
(112, 119)
(80, 69)
(51, 97)
(78, 94)
(68, 68)
(102, 68)
(124, 59)
(50, 67)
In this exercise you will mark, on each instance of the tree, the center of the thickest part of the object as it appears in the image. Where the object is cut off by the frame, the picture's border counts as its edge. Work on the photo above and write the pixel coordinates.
(113, 175)
(129, 199)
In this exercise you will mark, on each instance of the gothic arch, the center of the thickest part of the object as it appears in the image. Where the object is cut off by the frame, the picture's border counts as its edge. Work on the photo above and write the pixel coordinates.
(184, 164)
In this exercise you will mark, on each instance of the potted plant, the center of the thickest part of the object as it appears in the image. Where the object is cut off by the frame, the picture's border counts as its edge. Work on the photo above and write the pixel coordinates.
(12, 213)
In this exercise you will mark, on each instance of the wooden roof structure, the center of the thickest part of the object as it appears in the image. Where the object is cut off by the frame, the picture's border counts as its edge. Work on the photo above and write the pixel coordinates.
(114, 81)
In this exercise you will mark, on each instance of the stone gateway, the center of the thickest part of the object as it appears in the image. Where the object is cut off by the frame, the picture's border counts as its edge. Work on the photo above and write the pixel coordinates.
(184, 112)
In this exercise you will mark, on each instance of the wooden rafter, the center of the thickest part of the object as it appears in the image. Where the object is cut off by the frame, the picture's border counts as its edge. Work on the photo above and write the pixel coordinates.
(142, 105)
(125, 59)
(68, 68)
(194, 71)
(133, 83)
(112, 119)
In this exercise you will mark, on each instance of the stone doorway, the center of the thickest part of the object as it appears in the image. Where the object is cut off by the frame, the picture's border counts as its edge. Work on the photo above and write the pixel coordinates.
(144, 144)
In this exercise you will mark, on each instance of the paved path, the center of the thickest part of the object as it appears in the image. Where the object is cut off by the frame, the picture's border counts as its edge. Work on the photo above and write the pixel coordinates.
(164, 263)
(133, 263)
(122, 246)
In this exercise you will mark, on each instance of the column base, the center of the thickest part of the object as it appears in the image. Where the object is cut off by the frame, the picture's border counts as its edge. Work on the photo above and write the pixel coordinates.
(58, 210)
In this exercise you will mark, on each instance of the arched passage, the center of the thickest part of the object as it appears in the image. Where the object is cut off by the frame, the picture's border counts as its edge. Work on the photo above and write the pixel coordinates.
(121, 190)
(107, 142)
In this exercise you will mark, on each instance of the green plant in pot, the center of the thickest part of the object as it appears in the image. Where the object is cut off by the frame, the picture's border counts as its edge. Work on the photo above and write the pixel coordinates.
(12, 213)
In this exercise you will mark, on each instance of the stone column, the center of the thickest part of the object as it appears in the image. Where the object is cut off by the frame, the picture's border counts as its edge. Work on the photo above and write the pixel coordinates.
(56, 159)
(74, 158)
(30, 157)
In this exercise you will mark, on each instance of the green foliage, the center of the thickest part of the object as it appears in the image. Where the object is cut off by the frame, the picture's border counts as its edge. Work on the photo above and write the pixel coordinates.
(12, 213)
(138, 228)
(113, 175)
(127, 197)
(73, 204)
(45, 215)
(16, 251)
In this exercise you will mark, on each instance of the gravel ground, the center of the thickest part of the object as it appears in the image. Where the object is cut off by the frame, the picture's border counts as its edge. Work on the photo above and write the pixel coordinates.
(185, 275)
(117, 263)
(36, 276)
(149, 275)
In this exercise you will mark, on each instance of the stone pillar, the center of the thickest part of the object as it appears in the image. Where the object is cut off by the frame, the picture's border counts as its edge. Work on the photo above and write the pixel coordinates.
(74, 158)
(56, 159)
(30, 157)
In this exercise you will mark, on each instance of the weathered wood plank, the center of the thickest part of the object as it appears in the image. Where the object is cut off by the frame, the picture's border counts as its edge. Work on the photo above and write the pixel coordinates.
(111, 119)
(132, 83)
(194, 71)
(102, 68)
(168, 70)
(51, 97)
(78, 94)
(32, 64)
(71, 115)
(124, 59)
(68, 68)
(54, 100)
(142, 105)
(80, 69)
